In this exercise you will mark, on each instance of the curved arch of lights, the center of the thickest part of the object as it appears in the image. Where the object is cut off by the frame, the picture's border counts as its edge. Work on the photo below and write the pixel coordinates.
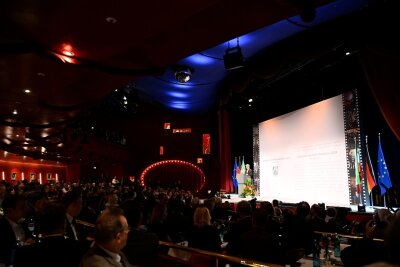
(173, 162)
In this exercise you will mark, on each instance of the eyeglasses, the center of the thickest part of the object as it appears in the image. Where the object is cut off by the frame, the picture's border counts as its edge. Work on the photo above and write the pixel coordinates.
(127, 230)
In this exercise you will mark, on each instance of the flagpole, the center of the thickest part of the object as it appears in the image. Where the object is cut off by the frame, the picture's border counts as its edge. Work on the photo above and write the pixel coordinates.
(357, 172)
(234, 176)
(371, 198)
(384, 199)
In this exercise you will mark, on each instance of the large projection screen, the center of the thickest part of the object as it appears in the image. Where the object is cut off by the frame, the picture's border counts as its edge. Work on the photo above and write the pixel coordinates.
(303, 155)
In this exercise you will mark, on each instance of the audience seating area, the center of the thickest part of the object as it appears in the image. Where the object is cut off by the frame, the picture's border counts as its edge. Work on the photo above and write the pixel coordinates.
(173, 227)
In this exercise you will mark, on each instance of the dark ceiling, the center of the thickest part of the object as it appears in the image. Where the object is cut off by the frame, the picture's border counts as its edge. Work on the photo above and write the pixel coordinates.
(60, 60)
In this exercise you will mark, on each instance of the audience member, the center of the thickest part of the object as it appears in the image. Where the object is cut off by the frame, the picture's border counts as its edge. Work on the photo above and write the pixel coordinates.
(202, 234)
(366, 251)
(316, 218)
(220, 211)
(35, 201)
(3, 191)
(111, 236)
(258, 243)
(298, 234)
(176, 223)
(53, 249)
(331, 214)
(89, 211)
(73, 206)
(277, 210)
(302, 227)
(12, 234)
(238, 227)
(272, 223)
(112, 201)
(142, 246)
(157, 222)
(392, 241)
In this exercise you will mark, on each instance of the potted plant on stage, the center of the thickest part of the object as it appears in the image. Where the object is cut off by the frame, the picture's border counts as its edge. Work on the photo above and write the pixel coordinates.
(248, 189)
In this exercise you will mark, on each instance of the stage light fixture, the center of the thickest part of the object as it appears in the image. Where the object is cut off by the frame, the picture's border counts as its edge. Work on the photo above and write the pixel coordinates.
(183, 74)
(233, 58)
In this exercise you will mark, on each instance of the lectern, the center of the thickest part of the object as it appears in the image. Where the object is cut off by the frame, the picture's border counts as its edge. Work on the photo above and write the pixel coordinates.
(241, 180)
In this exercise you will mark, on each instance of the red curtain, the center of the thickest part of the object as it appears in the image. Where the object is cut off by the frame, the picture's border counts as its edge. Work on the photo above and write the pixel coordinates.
(381, 69)
(225, 151)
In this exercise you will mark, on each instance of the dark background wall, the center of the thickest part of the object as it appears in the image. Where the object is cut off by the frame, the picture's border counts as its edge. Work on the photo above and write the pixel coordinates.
(145, 134)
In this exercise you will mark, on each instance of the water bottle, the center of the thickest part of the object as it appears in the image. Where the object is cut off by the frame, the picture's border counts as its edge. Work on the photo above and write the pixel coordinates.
(316, 253)
(336, 247)
(31, 225)
(222, 232)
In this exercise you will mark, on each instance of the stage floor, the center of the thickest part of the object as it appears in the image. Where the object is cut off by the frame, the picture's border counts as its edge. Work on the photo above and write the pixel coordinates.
(234, 198)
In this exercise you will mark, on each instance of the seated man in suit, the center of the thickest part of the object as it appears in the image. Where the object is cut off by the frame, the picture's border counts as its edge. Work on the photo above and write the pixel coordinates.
(12, 234)
(142, 247)
(53, 249)
(238, 227)
(73, 206)
(259, 243)
(35, 201)
(3, 191)
(111, 235)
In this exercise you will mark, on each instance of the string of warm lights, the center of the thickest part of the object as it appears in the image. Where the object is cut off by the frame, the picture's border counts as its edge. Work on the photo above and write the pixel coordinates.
(172, 162)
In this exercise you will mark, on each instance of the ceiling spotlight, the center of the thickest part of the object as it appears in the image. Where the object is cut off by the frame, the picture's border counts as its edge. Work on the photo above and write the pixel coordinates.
(250, 100)
(15, 112)
(111, 20)
(67, 50)
(183, 74)
(233, 58)
(27, 91)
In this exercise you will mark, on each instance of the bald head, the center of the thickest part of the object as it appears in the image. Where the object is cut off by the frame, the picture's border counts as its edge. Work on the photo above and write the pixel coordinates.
(112, 230)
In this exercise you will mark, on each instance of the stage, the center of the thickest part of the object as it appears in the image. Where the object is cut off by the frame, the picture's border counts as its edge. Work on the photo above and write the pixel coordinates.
(234, 198)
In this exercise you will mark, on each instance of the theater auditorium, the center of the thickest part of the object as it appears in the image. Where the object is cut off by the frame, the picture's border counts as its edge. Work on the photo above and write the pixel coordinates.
(211, 133)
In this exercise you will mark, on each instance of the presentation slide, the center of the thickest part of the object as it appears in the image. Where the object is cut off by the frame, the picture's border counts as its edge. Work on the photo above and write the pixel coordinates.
(303, 155)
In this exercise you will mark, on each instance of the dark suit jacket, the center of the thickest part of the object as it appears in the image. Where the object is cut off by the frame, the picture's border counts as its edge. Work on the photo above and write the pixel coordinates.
(97, 257)
(233, 235)
(70, 234)
(8, 242)
(249, 173)
(142, 248)
(49, 252)
(206, 238)
(258, 244)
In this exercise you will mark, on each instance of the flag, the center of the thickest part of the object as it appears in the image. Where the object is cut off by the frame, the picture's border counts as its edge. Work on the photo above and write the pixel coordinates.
(369, 173)
(243, 167)
(383, 173)
(359, 171)
(234, 181)
(238, 170)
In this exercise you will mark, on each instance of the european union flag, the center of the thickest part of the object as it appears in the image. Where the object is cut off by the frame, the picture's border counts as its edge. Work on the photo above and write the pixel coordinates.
(383, 173)
(234, 180)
